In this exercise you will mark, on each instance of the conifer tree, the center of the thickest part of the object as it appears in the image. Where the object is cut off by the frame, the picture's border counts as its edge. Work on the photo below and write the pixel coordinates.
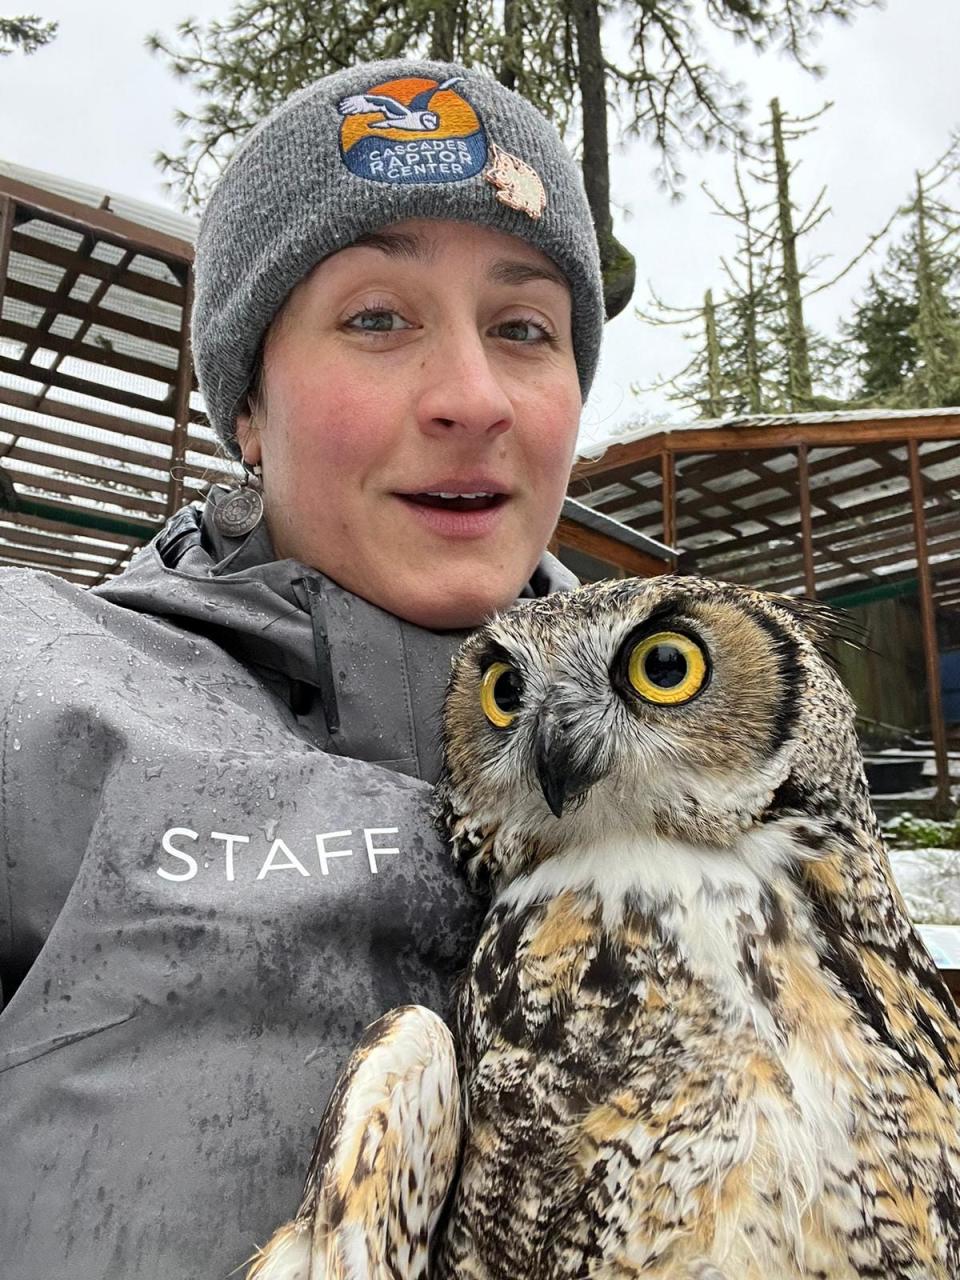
(714, 402)
(758, 323)
(749, 351)
(884, 348)
(770, 360)
(936, 379)
(799, 380)
(905, 334)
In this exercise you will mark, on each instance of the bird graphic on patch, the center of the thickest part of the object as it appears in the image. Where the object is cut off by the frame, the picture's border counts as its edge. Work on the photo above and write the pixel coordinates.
(412, 129)
(415, 116)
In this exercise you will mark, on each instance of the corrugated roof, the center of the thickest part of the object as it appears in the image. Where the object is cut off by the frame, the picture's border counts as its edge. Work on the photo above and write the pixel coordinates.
(631, 432)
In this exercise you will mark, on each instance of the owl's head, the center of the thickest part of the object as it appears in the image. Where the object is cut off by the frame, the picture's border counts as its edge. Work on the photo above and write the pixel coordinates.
(669, 707)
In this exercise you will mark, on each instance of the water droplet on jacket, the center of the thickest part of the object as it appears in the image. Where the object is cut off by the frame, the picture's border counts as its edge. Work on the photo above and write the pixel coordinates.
(16, 744)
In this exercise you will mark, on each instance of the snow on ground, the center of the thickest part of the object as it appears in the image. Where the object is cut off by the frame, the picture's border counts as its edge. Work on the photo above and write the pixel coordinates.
(929, 880)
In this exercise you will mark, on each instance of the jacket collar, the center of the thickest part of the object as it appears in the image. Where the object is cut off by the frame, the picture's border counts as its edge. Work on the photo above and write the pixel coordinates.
(359, 681)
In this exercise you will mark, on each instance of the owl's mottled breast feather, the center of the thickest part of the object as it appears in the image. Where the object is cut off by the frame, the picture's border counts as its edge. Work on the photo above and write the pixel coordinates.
(628, 1106)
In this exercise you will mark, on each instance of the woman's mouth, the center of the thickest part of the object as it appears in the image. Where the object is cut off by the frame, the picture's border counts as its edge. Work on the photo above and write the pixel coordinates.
(457, 501)
(470, 513)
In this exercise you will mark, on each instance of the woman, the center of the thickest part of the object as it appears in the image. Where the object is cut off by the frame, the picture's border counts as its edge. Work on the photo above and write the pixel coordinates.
(219, 864)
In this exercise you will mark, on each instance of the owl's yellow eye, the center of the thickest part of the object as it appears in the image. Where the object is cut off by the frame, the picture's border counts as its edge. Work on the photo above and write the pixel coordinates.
(667, 668)
(500, 692)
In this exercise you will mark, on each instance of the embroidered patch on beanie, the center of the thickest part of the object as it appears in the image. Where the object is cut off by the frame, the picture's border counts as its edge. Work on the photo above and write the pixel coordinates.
(412, 130)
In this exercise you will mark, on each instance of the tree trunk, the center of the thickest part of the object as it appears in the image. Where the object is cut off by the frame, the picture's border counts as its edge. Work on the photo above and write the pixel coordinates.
(443, 30)
(714, 397)
(932, 318)
(800, 387)
(751, 353)
(512, 44)
(616, 261)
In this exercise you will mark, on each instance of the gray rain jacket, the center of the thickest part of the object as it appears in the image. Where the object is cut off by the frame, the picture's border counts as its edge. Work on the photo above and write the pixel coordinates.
(216, 867)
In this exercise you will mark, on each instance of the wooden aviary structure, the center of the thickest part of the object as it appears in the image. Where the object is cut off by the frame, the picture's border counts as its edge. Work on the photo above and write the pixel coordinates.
(815, 504)
(101, 432)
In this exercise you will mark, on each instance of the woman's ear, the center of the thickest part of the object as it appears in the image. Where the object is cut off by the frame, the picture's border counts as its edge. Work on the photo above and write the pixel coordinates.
(248, 437)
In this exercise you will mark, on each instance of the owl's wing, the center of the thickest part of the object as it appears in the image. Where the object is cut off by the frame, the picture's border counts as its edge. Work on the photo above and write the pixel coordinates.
(384, 1159)
(878, 959)
(422, 99)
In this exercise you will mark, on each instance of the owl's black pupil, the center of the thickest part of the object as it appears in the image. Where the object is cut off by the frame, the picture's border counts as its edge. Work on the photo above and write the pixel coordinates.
(507, 689)
(665, 666)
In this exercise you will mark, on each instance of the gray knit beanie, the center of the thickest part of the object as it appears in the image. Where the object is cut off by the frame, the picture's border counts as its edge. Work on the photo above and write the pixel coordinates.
(372, 145)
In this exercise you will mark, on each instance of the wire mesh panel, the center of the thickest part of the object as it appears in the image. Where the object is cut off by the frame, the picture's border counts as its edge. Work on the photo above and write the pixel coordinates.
(633, 497)
(739, 519)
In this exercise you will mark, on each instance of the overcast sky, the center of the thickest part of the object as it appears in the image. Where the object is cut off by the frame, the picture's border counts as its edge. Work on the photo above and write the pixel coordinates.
(95, 106)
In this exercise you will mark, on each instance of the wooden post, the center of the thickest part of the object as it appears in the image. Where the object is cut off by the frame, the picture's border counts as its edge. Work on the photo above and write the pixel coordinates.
(181, 421)
(806, 522)
(928, 624)
(668, 497)
(7, 210)
(7, 213)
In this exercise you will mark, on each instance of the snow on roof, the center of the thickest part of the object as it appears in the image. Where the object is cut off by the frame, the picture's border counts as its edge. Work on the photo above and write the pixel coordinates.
(630, 432)
(155, 216)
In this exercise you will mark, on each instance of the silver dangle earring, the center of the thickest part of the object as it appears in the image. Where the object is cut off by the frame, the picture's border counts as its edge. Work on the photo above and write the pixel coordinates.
(241, 510)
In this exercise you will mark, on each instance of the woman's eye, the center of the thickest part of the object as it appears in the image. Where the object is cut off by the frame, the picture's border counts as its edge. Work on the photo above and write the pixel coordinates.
(378, 320)
(524, 331)
(667, 668)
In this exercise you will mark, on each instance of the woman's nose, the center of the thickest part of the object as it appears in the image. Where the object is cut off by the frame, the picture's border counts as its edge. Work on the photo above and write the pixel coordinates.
(461, 388)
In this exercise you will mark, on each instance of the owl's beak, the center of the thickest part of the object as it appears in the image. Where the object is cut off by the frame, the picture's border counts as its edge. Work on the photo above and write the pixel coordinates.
(561, 775)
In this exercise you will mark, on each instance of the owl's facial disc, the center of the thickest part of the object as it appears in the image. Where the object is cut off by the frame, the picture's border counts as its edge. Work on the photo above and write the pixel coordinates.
(667, 709)
(663, 668)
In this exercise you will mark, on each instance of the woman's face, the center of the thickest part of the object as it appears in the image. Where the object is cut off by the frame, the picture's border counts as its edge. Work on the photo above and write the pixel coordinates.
(418, 416)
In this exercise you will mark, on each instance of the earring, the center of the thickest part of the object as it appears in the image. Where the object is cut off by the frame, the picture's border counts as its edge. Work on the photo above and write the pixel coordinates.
(241, 510)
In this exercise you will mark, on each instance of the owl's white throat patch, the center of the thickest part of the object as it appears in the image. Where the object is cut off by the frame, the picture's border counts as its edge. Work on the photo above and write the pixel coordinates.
(704, 900)
(656, 873)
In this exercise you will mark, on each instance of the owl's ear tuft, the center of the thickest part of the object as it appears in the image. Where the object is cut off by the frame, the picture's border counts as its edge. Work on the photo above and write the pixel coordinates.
(824, 626)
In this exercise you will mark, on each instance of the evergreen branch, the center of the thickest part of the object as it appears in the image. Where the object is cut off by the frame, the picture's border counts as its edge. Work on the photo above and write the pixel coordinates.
(25, 34)
(868, 248)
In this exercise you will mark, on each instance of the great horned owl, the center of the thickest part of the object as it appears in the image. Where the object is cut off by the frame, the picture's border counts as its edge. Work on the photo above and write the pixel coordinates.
(699, 1038)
